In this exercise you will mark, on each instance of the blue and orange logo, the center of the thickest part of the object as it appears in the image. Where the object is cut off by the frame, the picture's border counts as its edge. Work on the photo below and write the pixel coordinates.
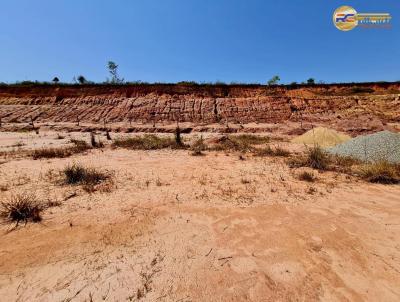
(346, 18)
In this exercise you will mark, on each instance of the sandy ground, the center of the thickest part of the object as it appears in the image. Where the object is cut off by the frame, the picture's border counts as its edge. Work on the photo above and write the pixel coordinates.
(174, 227)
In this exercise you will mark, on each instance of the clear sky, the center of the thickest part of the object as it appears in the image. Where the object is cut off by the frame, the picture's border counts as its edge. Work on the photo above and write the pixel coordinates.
(200, 40)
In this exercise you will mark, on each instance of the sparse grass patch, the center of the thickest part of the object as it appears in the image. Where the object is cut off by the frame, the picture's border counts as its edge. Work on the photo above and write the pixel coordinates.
(51, 153)
(381, 172)
(242, 143)
(228, 143)
(250, 139)
(21, 207)
(268, 151)
(147, 142)
(317, 158)
(343, 164)
(80, 145)
(279, 151)
(63, 152)
(198, 147)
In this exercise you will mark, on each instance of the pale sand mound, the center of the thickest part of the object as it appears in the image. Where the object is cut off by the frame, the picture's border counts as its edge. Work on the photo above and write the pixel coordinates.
(322, 137)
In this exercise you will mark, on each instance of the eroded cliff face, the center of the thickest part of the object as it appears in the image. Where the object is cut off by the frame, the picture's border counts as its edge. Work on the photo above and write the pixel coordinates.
(205, 104)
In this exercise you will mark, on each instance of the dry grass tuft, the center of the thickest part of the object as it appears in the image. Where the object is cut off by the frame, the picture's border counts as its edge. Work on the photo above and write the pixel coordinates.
(343, 164)
(317, 158)
(250, 139)
(22, 207)
(268, 151)
(307, 176)
(231, 144)
(381, 172)
(51, 153)
(89, 178)
(198, 147)
(241, 143)
(79, 146)
(78, 174)
(279, 151)
(147, 142)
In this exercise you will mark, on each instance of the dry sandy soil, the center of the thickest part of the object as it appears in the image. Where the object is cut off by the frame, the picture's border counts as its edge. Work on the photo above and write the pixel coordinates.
(175, 227)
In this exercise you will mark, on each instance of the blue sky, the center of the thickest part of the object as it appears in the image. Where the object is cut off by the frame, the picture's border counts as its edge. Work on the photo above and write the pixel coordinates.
(200, 40)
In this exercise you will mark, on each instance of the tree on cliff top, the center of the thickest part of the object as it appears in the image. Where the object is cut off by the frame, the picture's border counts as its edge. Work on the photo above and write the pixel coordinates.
(82, 79)
(311, 81)
(56, 80)
(274, 80)
(113, 70)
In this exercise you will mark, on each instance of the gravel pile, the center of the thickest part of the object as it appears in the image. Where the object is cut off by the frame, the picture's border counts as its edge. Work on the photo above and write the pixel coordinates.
(323, 137)
(383, 145)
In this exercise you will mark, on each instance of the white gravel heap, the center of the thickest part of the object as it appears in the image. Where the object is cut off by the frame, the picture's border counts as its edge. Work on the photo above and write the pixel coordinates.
(383, 145)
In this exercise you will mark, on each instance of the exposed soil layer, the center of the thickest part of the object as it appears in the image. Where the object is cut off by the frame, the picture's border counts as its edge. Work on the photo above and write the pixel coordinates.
(353, 108)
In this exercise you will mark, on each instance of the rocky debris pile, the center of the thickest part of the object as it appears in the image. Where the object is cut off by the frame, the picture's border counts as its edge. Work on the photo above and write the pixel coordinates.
(323, 137)
(384, 145)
